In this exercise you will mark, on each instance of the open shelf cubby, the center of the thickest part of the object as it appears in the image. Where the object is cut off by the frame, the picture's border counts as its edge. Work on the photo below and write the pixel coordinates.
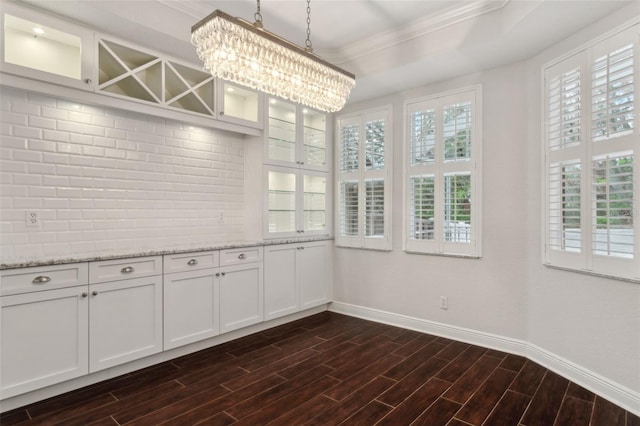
(132, 73)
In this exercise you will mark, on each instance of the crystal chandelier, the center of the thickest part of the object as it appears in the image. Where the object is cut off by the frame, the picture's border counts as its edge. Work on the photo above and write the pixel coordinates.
(236, 50)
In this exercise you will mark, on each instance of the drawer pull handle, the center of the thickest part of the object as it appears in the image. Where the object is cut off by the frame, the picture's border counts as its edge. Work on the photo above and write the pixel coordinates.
(217, 274)
(192, 262)
(127, 270)
(85, 294)
(223, 274)
(94, 293)
(41, 279)
(242, 256)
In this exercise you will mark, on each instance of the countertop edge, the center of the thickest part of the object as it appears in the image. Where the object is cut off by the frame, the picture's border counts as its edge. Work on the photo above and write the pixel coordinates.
(29, 263)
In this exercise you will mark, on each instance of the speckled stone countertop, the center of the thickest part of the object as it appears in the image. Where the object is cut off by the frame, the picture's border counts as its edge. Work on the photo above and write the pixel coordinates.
(123, 254)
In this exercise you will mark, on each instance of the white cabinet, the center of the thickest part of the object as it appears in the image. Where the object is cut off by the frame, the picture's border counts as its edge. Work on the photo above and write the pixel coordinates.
(42, 47)
(125, 313)
(202, 300)
(296, 277)
(295, 202)
(295, 136)
(44, 323)
(241, 296)
(191, 298)
(239, 105)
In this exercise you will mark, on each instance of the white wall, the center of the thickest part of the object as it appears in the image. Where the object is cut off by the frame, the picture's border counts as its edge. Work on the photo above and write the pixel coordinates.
(102, 179)
(574, 320)
(486, 294)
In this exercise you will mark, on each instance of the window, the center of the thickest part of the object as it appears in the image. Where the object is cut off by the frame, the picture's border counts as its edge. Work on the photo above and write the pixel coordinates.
(363, 180)
(442, 174)
(590, 143)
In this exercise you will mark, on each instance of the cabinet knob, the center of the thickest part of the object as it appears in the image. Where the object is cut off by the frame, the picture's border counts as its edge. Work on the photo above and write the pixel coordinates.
(87, 81)
(217, 274)
(224, 273)
(85, 294)
(242, 256)
(221, 112)
(127, 270)
(94, 293)
(192, 262)
(41, 279)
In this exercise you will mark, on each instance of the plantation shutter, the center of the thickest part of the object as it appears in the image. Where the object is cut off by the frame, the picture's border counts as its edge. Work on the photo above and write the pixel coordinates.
(363, 175)
(591, 143)
(443, 174)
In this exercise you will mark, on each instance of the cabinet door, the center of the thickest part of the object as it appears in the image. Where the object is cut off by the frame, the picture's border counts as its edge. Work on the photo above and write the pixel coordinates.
(44, 339)
(42, 47)
(314, 274)
(241, 296)
(281, 147)
(314, 203)
(281, 202)
(314, 154)
(281, 295)
(125, 321)
(190, 307)
(239, 105)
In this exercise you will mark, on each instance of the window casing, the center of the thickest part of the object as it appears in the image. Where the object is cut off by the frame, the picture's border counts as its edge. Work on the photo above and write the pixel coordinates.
(590, 140)
(363, 179)
(442, 174)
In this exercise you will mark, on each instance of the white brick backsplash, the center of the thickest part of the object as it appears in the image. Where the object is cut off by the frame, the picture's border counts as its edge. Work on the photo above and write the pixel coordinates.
(106, 179)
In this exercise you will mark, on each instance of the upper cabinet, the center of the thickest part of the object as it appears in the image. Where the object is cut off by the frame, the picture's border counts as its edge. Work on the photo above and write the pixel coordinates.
(239, 105)
(41, 47)
(295, 136)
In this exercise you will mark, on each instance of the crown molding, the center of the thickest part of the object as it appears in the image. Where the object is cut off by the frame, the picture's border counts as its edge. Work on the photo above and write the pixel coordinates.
(415, 29)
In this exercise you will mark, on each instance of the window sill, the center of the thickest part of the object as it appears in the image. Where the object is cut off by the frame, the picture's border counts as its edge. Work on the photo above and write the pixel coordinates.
(462, 256)
(386, 250)
(593, 273)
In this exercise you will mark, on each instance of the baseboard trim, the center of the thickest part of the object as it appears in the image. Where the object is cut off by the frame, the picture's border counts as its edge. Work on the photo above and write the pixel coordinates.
(608, 389)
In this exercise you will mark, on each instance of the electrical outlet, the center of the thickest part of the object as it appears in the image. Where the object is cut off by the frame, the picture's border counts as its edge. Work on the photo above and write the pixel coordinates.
(444, 302)
(33, 221)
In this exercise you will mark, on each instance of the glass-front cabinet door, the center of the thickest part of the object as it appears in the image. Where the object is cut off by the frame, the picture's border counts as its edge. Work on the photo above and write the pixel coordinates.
(315, 203)
(281, 202)
(296, 202)
(295, 136)
(314, 154)
(42, 47)
(239, 105)
(281, 130)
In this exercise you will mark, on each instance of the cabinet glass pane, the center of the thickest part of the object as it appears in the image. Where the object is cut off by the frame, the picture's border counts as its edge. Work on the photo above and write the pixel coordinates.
(282, 131)
(282, 202)
(314, 138)
(315, 203)
(240, 103)
(42, 48)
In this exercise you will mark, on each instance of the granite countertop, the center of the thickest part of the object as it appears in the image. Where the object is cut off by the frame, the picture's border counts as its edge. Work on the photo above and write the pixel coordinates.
(122, 254)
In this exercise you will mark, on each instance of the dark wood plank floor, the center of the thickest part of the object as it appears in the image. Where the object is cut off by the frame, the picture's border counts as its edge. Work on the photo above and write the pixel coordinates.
(331, 369)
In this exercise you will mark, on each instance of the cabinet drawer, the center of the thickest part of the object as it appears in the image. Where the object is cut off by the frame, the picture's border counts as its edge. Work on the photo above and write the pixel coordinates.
(240, 256)
(120, 269)
(26, 280)
(191, 261)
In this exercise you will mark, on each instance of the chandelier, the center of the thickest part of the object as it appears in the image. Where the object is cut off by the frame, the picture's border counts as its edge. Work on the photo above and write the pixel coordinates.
(236, 50)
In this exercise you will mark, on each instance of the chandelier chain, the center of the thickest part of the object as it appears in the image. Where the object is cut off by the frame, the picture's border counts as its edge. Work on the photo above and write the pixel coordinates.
(307, 43)
(257, 16)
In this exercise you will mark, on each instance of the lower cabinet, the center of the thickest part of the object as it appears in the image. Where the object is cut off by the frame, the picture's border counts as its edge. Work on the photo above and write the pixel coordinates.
(125, 321)
(297, 277)
(241, 296)
(191, 310)
(45, 339)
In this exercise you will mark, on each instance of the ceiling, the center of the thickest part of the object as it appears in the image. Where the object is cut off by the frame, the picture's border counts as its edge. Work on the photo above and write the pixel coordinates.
(391, 45)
